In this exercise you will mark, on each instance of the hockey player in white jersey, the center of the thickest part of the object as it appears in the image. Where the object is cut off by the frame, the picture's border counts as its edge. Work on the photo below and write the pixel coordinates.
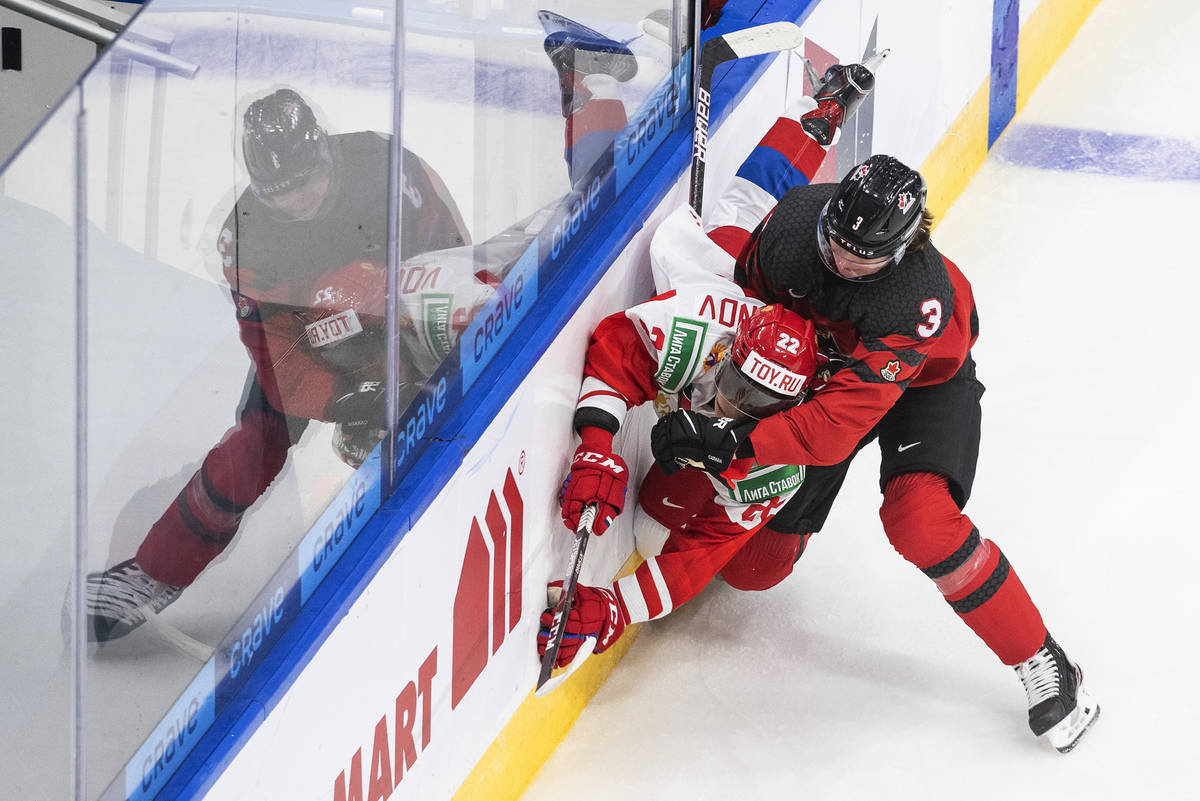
(704, 350)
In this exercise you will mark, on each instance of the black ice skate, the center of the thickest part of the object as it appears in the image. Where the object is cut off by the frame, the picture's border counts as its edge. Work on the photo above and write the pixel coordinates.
(1059, 707)
(576, 50)
(839, 93)
(119, 600)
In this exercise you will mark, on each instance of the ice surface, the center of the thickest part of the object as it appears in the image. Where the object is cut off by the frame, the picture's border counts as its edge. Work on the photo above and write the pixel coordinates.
(853, 679)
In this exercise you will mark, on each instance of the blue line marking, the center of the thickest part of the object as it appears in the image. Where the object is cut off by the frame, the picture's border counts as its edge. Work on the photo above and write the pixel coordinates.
(1002, 100)
(1048, 147)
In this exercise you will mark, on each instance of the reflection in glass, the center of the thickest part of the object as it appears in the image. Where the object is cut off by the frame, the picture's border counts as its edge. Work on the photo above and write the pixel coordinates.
(239, 221)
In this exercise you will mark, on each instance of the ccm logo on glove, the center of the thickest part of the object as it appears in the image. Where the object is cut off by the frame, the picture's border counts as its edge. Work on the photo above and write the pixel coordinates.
(596, 477)
(607, 461)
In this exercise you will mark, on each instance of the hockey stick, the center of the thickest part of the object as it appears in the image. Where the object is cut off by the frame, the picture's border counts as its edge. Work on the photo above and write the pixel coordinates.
(172, 636)
(582, 532)
(756, 41)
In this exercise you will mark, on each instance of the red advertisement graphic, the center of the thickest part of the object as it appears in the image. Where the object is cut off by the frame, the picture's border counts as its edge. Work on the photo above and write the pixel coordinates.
(487, 603)
(393, 749)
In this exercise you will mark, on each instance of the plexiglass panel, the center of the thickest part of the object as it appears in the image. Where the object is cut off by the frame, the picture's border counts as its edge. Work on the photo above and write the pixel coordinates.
(254, 231)
(39, 624)
(536, 116)
(239, 220)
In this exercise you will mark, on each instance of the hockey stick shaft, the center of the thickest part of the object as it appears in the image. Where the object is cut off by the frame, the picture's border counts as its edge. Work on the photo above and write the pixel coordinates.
(188, 646)
(557, 626)
(759, 40)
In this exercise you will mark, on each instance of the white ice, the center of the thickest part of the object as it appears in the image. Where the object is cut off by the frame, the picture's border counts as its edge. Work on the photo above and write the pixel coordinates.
(853, 679)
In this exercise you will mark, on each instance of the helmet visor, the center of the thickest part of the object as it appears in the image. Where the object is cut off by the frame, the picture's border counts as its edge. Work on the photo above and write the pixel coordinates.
(827, 237)
(750, 397)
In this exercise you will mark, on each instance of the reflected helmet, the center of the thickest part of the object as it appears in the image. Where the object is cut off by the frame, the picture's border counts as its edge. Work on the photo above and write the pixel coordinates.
(771, 364)
(282, 143)
(875, 211)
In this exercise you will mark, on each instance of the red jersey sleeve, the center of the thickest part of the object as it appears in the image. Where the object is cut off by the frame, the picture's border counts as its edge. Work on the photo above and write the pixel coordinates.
(825, 429)
(293, 383)
(618, 374)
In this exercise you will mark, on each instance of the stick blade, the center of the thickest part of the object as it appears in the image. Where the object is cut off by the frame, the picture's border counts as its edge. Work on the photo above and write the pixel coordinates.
(769, 38)
(872, 62)
(562, 604)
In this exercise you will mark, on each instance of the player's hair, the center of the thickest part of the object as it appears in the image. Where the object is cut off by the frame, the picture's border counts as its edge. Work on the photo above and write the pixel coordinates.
(921, 237)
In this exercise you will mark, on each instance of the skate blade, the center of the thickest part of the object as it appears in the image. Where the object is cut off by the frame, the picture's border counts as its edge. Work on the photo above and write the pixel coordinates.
(1070, 730)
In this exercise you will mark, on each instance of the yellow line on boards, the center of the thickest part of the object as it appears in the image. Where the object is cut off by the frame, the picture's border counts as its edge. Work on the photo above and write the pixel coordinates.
(540, 724)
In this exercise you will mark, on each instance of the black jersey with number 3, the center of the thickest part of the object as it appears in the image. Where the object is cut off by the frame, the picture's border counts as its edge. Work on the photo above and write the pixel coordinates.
(912, 327)
(288, 275)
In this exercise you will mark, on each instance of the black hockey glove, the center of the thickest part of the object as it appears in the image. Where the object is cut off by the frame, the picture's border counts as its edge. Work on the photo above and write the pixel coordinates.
(364, 403)
(842, 91)
(829, 361)
(690, 439)
(361, 403)
(354, 443)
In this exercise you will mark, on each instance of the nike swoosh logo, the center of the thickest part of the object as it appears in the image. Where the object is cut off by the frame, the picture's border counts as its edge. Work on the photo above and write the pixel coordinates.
(672, 505)
(903, 448)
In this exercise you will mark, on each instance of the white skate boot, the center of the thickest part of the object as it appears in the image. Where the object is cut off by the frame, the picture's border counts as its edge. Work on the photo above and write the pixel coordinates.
(1059, 707)
(120, 599)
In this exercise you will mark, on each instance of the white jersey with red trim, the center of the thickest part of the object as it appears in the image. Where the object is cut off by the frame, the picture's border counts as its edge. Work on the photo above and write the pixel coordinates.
(686, 331)
(666, 350)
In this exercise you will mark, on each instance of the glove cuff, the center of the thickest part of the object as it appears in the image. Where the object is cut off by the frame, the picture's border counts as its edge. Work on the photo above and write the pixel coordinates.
(596, 439)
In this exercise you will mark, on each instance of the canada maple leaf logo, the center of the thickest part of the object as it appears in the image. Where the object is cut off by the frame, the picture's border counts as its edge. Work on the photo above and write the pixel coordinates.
(891, 370)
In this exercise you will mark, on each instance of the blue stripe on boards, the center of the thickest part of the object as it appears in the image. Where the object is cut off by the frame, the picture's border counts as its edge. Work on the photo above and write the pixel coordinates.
(1002, 92)
(1049, 147)
(767, 168)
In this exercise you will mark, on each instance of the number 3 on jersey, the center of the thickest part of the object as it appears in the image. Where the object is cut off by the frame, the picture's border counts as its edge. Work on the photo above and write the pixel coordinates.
(931, 310)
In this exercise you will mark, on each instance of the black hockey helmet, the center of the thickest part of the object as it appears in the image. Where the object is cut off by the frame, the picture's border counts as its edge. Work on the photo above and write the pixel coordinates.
(875, 212)
(282, 143)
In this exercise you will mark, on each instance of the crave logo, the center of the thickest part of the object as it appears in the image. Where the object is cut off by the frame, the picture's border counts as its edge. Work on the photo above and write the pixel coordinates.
(487, 603)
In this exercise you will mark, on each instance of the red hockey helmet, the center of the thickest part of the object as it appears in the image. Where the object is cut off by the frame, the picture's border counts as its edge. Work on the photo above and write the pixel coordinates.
(772, 362)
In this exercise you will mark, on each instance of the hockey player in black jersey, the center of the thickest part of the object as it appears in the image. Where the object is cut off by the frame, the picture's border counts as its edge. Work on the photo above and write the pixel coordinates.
(304, 253)
(856, 259)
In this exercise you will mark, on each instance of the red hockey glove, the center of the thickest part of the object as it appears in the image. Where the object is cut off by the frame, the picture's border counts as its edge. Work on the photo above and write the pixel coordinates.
(597, 476)
(597, 612)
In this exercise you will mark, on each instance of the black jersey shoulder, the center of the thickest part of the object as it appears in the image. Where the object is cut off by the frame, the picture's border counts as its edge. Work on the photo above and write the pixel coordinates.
(787, 242)
(915, 295)
(261, 249)
(790, 270)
